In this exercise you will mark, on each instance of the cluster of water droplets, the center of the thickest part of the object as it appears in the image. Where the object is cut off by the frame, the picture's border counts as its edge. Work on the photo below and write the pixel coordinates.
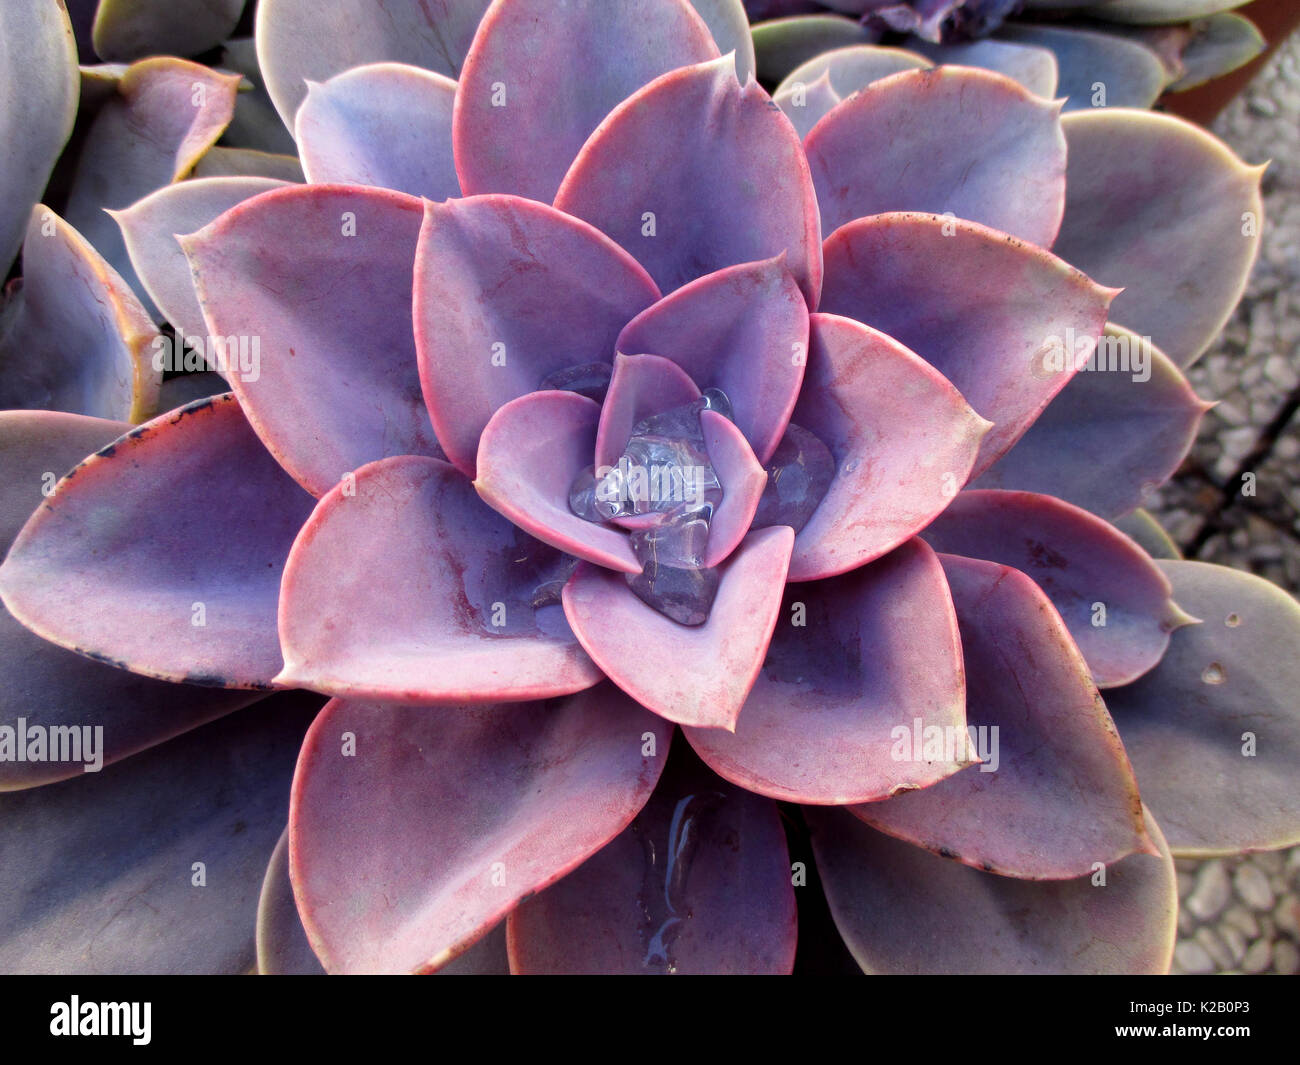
(665, 491)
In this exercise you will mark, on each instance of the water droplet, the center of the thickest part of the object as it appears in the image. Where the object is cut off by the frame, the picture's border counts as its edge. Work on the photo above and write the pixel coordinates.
(1213, 674)
(1232, 620)
(798, 477)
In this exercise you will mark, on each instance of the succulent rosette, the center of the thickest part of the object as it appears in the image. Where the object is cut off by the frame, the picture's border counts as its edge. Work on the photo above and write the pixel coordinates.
(1096, 53)
(653, 485)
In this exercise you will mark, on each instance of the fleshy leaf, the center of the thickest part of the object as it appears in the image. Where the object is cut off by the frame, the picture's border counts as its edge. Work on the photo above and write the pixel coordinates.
(698, 883)
(319, 278)
(806, 105)
(73, 337)
(852, 659)
(1096, 69)
(729, 24)
(1161, 207)
(282, 947)
(1214, 729)
(197, 519)
(1159, 12)
(524, 794)
(1054, 793)
(714, 665)
(781, 45)
(151, 225)
(1219, 45)
(903, 438)
(1148, 534)
(694, 173)
(1113, 599)
(384, 124)
(507, 291)
(248, 163)
(530, 453)
(986, 310)
(39, 81)
(99, 873)
(404, 587)
(47, 687)
(742, 479)
(743, 330)
(297, 43)
(1033, 67)
(897, 907)
(1016, 185)
(167, 112)
(256, 123)
(853, 68)
(640, 386)
(1112, 434)
(132, 29)
(519, 122)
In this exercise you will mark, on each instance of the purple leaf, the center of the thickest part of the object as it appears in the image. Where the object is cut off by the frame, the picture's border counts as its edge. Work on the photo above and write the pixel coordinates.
(1111, 435)
(1213, 730)
(986, 310)
(100, 874)
(986, 149)
(198, 520)
(698, 883)
(1055, 793)
(692, 675)
(282, 947)
(298, 42)
(744, 330)
(507, 291)
(903, 440)
(317, 281)
(742, 480)
(404, 587)
(1033, 67)
(1114, 600)
(38, 76)
(1130, 74)
(640, 387)
(385, 124)
(852, 659)
(903, 910)
(1167, 211)
(694, 173)
(523, 794)
(781, 44)
(519, 121)
(73, 337)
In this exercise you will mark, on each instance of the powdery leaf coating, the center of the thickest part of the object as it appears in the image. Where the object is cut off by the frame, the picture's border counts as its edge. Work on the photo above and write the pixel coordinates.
(1114, 600)
(166, 114)
(298, 41)
(1212, 729)
(1129, 74)
(73, 337)
(1060, 795)
(1111, 434)
(852, 658)
(150, 227)
(519, 121)
(216, 795)
(282, 947)
(131, 29)
(895, 906)
(1035, 68)
(743, 329)
(39, 81)
(699, 883)
(248, 162)
(967, 141)
(1165, 210)
(383, 124)
(852, 68)
(986, 310)
(508, 290)
(902, 437)
(694, 173)
(404, 587)
(45, 685)
(694, 676)
(198, 520)
(320, 277)
(525, 794)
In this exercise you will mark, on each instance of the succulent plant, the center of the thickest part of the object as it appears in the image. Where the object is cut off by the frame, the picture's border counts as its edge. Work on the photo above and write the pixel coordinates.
(1096, 53)
(682, 501)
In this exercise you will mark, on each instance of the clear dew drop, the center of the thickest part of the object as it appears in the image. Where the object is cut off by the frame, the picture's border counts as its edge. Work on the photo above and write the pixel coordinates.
(1232, 620)
(1213, 674)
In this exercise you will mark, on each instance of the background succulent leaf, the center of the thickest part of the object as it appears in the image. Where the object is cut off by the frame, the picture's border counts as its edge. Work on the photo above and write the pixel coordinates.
(1130, 74)
(132, 29)
(1034, 67)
